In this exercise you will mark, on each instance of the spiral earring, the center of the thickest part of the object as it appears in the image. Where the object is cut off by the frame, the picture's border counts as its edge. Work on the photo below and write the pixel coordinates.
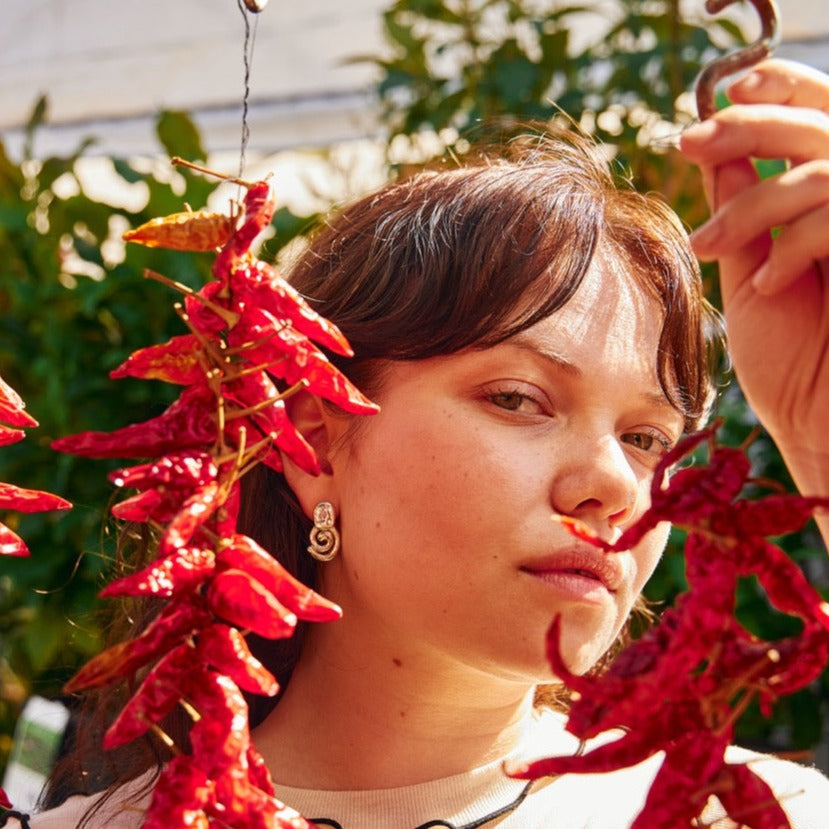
(325, 540)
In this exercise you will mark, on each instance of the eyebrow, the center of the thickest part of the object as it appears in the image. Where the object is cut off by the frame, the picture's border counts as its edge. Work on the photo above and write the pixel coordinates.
(652, 398)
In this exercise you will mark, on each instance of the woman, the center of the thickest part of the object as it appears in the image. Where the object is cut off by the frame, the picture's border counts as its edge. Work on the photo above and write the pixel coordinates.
(537, 341)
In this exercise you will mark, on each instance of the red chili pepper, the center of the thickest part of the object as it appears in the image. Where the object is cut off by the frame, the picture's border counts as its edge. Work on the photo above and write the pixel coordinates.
(254, 389)
(180, 572)
(257, 284)
(240, 599)
(29, 500)
(189, 423)
(155, 698)
(180, 797)
(748, 799)
(179, 361)
(203, 317)
(227, 651)
(184, 470)
(12, 544)
(177, 620)
(9, 436)
(239, 552)
(12, 406)
(259, 207)
(194, 513)
(292, 357)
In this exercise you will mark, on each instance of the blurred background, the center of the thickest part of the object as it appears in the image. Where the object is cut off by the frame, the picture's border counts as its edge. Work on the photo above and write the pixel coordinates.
(96, 96)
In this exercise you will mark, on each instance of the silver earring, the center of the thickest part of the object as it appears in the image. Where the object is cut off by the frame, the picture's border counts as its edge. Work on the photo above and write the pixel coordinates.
(325, 540)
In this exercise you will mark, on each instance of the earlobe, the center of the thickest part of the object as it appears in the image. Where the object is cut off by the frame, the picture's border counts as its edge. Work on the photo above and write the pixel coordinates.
(310, 419)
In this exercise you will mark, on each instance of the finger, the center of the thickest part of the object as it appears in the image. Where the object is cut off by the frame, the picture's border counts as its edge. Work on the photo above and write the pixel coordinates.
(782, 82)
(795, 253)
(752, 211)
(758, 131)
(739, 264)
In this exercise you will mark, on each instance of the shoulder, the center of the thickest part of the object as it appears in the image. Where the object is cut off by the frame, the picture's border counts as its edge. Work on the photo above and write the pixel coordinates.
(122, 809)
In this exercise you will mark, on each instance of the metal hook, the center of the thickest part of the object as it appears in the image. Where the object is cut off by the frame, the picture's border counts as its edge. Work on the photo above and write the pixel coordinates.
(763, 47)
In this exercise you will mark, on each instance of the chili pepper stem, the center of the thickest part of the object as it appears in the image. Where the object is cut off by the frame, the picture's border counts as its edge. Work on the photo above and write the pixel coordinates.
(207, 345)
(191, 712)
(228, 316)
(165, 738)
(177, 161)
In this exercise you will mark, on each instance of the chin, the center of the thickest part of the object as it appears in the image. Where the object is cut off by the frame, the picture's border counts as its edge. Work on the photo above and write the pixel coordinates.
(581, 652)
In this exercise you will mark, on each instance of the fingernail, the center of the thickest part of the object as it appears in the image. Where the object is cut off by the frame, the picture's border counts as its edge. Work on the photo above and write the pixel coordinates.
(704, 131)
(749, 82)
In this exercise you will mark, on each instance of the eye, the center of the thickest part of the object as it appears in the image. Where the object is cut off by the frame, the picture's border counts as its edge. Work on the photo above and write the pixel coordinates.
(648, 441)
(515, 400)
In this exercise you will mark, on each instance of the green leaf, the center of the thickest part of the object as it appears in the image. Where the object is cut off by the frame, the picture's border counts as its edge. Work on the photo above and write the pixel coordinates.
(179, 135)
(126, 172)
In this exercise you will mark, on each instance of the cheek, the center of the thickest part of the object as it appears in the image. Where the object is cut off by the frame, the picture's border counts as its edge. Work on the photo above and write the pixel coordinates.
(647, 554)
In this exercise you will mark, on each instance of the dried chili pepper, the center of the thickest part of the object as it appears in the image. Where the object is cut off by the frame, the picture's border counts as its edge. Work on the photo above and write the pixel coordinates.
(195, 230)
(239, 552)
(175, 622)
(681, 687)
(240, 599)
(182, 571)
(180, 360)
(29, 500)
(249, 392)
(225, 649)
(9, 436)
(157, 695)
(292, 357)
(257, 284)
(12, 408)
(187, 423)
(180, 797)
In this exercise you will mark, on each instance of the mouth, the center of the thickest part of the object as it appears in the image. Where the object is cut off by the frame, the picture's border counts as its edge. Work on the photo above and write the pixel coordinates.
(583, 567)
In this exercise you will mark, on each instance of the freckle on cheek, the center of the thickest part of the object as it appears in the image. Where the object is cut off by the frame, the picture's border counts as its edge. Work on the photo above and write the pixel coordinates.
(397, 662)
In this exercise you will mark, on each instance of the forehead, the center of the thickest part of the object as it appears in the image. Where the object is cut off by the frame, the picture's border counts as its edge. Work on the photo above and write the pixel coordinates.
(611, 310)
(610, 324)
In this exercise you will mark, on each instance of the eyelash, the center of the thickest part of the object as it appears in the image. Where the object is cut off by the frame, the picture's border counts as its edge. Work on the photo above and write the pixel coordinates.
(516, 394)
(498, 397)
(654, 435)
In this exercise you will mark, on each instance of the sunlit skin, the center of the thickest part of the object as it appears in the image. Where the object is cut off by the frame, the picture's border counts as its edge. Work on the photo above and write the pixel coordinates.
(452, 564)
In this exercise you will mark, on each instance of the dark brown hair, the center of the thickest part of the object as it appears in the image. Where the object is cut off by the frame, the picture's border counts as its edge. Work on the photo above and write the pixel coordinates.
(462, 258)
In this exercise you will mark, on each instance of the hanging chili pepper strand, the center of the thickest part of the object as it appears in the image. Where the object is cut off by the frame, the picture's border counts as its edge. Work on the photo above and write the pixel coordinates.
(682, 686)
(13, 419)
(252, 342)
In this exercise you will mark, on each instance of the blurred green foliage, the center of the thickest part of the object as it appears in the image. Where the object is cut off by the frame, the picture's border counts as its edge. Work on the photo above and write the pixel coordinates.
(71, 311)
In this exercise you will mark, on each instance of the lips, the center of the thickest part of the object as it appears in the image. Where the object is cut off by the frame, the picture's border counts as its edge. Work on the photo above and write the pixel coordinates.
(584, 561)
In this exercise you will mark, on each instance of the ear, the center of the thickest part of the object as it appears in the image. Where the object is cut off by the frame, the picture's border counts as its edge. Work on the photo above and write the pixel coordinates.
(320, 428)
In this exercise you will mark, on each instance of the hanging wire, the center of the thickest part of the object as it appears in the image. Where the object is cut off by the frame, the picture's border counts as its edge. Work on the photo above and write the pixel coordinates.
(246, 7)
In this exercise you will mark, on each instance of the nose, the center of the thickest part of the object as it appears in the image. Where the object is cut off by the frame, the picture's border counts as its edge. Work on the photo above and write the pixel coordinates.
(595, 482)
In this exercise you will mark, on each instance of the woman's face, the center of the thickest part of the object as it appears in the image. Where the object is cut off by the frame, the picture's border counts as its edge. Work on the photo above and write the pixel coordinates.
(446, 498)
